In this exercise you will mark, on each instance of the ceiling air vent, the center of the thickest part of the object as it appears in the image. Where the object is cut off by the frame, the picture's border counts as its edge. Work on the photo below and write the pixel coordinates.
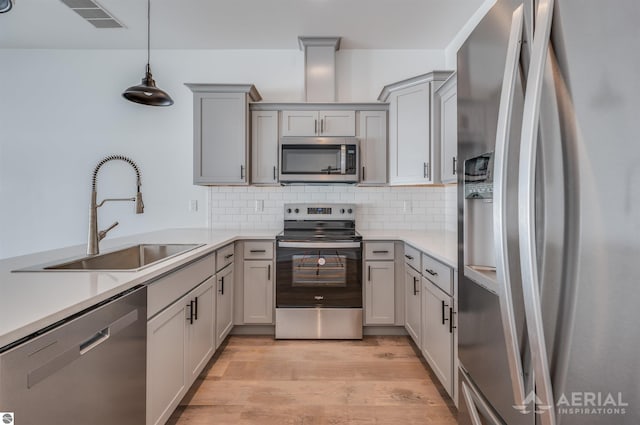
(93, 13)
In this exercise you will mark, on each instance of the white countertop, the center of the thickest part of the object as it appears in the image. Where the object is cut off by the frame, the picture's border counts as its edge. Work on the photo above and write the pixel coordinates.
(441, 245)
(34, 300)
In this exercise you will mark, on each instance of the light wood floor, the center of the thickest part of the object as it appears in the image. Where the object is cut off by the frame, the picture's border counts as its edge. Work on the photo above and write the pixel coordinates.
(257, 380)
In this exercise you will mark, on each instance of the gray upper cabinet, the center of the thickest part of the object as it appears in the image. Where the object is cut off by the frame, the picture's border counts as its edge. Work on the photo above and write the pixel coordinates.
(328, 123)
(264, 147)
(221, 133)
(414, 148)
(447, 102)
(372, 134)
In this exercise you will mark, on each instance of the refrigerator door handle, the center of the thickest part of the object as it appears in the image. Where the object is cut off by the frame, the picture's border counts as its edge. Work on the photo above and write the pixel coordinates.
(477, 405)
(500, 206)
(526, 210)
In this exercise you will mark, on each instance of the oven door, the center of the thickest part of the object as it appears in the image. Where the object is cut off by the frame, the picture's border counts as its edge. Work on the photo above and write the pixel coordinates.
(319, 274)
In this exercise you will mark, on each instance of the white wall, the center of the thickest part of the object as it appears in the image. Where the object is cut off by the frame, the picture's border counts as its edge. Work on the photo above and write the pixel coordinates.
(61, 111)
(451, 51)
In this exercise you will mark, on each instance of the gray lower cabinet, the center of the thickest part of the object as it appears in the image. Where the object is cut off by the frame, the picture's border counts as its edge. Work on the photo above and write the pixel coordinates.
(438, 333)
(166, 362)
(258, 291)
(221, 133)
(224, 303)
(413, 303)
(379, 290)
(180, 342)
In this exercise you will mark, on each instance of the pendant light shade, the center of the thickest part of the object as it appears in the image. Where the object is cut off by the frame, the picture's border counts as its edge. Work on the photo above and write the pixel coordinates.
(146, 92)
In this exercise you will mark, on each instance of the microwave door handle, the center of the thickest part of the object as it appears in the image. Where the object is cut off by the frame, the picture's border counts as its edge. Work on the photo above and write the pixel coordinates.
(343, 159)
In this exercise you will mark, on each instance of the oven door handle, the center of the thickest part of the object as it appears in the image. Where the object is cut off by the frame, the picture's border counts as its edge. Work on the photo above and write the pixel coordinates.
(323, 245)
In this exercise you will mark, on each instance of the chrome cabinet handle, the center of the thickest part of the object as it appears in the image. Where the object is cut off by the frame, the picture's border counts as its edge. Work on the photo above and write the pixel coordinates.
(415, 289)
(242, 172)
(500, 207)
(409, 257)
(453, 168)
(431, 272)
(274, 173)
(226, 257)
(424, 170)
(315, 126)
(258, 251)
(369, 273)
(269, 272)
(381, 252)
(363, 178)
(322, 125)
(527, 209)
(221, 286)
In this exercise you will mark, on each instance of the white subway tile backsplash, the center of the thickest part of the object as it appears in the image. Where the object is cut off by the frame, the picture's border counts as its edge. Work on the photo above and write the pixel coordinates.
(428, 208)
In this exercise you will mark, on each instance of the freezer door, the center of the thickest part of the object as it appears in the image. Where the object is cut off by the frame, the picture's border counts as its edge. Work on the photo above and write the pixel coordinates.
(587, 231)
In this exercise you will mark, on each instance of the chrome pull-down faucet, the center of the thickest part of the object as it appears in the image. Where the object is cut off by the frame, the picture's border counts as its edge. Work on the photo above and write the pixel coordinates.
(96, 236)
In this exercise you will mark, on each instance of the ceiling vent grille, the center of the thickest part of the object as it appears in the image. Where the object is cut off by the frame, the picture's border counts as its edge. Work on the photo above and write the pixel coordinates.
(93, 13)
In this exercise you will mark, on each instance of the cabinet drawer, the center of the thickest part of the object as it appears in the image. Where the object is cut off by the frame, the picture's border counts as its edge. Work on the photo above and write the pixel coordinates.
(438, 273)
(378, 251)
(169, 288)
(412, 257)
(258, 250)
(224, 257)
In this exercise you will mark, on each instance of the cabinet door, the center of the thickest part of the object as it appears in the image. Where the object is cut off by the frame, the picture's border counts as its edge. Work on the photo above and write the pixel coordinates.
(220, 138)
(300, 123)
(258, 291)
(166, 362)
(264, 147)
(448, 131)
(437, 335)
(409, 136)
(201, 333)
(379, 293)
(224, 304)
(373, 147)
(337, 123)
(413, 309)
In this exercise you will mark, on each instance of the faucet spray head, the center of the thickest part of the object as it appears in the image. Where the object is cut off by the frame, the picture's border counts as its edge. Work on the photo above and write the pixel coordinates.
(139, 203)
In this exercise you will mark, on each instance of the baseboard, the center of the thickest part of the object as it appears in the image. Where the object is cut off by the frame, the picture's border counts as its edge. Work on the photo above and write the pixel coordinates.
(384, 330)
(254, 330)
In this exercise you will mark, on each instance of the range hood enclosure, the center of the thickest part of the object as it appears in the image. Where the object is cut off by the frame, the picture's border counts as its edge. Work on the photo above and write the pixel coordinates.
(319, 67)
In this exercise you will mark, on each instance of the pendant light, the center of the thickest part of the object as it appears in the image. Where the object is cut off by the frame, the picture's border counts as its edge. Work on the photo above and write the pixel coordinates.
(147, 93)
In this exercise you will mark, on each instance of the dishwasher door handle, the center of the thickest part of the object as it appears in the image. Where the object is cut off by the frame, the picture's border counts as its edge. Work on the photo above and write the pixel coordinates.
(97, 339)
(75, 352)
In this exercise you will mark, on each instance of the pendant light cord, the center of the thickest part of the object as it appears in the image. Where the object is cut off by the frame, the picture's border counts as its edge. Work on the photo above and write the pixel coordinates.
(148, 33)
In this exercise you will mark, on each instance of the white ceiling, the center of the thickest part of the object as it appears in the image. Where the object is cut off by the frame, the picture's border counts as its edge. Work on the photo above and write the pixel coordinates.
(239, 24)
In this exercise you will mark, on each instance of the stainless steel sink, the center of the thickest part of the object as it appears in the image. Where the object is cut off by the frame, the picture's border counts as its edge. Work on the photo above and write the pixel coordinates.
(130, 258)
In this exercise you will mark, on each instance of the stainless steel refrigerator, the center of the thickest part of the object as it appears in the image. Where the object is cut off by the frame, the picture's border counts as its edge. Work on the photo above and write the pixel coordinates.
(549, 207)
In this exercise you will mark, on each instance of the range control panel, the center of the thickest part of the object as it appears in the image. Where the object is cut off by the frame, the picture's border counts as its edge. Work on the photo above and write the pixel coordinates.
(319, 212)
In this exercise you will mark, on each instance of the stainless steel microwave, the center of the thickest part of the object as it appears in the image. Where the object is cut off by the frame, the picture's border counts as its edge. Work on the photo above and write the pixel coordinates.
(319, 160)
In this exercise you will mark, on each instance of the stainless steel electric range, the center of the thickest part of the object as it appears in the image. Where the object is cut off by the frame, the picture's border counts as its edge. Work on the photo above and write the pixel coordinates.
(319, 273)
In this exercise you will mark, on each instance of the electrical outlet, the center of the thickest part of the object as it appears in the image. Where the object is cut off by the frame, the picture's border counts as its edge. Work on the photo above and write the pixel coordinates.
(406, 206)
(193, 205)
(259, 205)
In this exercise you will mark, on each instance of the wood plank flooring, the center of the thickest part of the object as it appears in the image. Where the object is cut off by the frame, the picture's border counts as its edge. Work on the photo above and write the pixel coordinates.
(258, 380)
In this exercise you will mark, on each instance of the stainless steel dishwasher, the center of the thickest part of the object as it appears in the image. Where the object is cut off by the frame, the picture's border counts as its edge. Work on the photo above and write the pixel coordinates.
(89, 369)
